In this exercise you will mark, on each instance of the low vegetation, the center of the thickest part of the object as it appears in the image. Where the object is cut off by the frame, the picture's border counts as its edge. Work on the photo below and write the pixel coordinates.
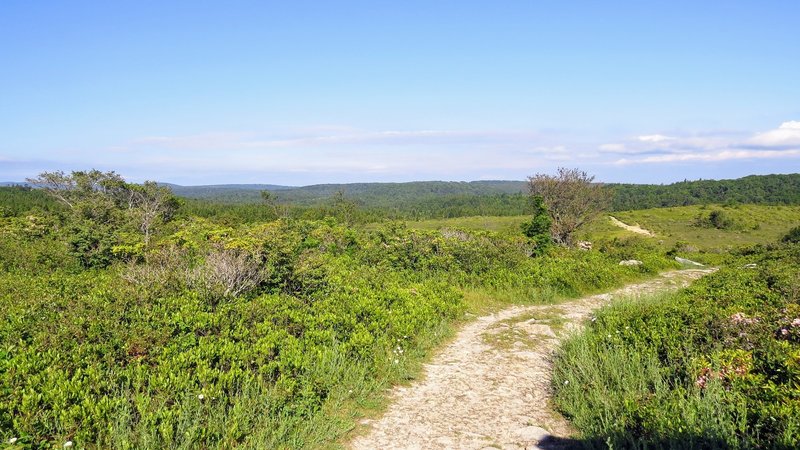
(716, 366)
(739, 225)
(134, 319)
(262, 335)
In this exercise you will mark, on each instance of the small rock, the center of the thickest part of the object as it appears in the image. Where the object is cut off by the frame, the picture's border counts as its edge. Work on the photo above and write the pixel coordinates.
(631, 262)
(540, 329)
(750, 266)
(585, 245)
(688, 262)
(532, 434)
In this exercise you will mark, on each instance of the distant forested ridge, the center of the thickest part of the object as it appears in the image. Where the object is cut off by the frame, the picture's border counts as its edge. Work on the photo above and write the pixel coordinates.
(413, 200)
(758, 189)
(371, 194)
(770, 189)
(435, 199)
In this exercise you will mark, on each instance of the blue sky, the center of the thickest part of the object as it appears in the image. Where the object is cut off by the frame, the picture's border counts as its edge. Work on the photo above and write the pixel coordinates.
(304, 92)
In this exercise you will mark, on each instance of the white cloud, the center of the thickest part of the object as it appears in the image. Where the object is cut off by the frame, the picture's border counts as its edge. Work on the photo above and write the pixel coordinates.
(553, 153)
(242, 141)
(324, 153)
(783, 142)
(788, 134)
(654, 138)
(346, 150)
(612, 148)
(726, 155)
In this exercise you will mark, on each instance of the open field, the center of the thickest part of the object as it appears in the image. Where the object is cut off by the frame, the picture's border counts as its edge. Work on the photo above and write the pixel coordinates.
(752, 224)
(499, 224)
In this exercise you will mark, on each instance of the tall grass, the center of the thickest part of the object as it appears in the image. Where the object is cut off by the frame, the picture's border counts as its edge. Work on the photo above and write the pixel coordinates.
(618, 396)
(713, 366)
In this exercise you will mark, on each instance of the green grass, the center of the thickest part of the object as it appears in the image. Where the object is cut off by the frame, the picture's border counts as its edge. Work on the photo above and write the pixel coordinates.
(509, 332)
(752, 224)
(500, 224)
(713, 366)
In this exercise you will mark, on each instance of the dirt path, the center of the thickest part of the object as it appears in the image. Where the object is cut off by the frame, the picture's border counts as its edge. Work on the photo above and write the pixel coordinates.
(634, 228)
(489, 388)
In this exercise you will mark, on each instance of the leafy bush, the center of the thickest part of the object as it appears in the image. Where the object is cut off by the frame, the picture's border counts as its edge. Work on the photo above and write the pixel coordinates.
(253, 335)
(792, 236)
(717, 218)
(714, 367)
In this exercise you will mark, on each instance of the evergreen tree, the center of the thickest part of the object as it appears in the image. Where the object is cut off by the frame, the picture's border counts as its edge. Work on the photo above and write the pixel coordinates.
(538, 228)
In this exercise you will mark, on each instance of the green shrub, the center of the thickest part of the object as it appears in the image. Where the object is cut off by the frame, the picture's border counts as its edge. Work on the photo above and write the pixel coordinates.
(538, 228)
(715, 366)
(255, 335)
(792, 236)
(716, 218)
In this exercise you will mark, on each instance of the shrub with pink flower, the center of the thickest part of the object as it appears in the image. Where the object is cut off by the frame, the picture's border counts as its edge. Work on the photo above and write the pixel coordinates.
(789, 326)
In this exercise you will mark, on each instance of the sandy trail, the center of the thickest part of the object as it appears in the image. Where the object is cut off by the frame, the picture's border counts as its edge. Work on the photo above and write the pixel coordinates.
(634, 228)
(490, 387)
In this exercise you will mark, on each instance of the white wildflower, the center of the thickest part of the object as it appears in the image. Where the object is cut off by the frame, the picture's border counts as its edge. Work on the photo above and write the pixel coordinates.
(68, 444)
(201, 397)
(12, 440)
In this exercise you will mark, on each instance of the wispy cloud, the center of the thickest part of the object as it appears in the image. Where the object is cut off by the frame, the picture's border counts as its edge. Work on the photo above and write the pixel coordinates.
(654, 138)
(342, 153)
(612, 148)
(450, 154)
(724, 155)
(242, 141)
(782, 142)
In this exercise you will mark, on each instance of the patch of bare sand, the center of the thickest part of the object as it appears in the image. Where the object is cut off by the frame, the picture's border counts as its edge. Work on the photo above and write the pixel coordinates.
(633, 228)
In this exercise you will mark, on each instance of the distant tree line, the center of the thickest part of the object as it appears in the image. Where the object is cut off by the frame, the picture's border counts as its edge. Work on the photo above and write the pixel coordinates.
(371, 202)
(758, 189)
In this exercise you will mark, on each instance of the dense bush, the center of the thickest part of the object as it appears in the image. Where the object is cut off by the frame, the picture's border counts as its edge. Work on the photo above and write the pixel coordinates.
(251, 335)
(792, 236)
(716, 218)
(714, 367)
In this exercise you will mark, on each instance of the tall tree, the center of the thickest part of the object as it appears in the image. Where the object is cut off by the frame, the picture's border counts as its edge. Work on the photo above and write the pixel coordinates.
(572, 199)
(80, 186)
(101, 204)
(150, 205)
(343, 208)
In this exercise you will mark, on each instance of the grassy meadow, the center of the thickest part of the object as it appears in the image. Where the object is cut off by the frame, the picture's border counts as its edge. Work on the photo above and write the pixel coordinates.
(751, 225)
